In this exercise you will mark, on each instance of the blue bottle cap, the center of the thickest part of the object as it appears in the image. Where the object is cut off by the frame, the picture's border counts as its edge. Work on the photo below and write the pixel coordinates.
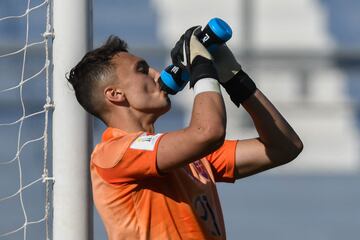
(221, 29)
(169, 81)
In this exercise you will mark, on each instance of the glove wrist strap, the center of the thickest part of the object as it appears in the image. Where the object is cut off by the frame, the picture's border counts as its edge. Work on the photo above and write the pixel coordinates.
(240, 87)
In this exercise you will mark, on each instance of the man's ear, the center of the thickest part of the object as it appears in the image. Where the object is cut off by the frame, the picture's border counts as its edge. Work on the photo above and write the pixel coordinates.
(114, 94)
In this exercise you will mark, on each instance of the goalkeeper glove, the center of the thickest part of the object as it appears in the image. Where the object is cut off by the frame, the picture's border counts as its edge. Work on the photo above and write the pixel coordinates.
(231, 76)
(190, 55)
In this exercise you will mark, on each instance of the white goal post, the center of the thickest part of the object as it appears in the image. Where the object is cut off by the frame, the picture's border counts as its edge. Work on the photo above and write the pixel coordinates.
(72, 126)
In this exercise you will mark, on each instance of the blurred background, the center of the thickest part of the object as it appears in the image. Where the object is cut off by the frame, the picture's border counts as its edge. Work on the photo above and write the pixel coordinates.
(304, 55)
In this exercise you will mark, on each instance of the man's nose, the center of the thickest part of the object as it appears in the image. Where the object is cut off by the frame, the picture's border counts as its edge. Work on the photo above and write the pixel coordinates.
(154, 74)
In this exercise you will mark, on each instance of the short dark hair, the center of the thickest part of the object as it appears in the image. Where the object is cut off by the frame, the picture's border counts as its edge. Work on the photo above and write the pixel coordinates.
(93, 69)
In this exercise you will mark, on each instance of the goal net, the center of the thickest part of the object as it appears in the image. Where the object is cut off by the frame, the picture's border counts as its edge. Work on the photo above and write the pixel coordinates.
(25, 107)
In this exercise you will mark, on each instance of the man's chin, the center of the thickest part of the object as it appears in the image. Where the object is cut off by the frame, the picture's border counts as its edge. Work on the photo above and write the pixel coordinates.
(162, 110)
(167, 107)
(168, 101)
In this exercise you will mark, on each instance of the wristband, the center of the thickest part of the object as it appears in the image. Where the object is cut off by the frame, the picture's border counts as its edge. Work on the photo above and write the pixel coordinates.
(240, 87)
(207, 85)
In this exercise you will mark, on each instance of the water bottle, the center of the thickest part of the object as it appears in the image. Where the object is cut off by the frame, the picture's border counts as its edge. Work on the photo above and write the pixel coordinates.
(173, 79)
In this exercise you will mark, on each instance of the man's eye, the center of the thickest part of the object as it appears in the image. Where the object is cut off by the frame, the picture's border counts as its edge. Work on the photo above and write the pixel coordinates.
(143, 69)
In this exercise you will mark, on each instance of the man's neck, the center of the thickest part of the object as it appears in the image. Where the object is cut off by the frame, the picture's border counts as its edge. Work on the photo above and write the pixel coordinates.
(132, 122)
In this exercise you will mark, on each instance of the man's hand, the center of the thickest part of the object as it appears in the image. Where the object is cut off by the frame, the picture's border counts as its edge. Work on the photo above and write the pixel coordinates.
(235, 81)
(225, 63)
(192, 56)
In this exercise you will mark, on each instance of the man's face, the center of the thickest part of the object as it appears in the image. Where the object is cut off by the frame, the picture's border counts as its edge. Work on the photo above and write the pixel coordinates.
(140, 84)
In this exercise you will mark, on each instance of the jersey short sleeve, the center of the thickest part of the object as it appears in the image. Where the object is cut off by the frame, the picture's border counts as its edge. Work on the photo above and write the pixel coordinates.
(223, 162)
(137, 162)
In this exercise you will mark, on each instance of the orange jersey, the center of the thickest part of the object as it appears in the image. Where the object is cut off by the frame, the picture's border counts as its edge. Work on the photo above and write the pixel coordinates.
(136, 202)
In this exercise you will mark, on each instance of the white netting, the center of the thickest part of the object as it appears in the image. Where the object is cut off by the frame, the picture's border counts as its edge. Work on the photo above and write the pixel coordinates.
(25, 103)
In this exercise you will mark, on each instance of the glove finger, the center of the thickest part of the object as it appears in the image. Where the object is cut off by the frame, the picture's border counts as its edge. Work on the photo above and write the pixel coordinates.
(197, 48)
(186, 48)
(180, 54)
(197, 31)
(177, 53)
(189, 32)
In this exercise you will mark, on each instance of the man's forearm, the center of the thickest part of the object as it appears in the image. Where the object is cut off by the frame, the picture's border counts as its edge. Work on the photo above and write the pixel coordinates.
(209, 112)
(274, 131)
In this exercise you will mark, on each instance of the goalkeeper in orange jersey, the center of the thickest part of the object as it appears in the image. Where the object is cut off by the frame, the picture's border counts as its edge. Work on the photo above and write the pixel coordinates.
(149, 185)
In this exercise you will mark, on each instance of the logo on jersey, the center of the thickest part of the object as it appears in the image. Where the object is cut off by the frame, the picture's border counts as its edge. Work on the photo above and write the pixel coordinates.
(200, 168)
(145, 142)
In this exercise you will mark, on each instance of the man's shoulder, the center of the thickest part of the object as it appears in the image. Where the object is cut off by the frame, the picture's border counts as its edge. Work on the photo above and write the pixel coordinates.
(112, 148)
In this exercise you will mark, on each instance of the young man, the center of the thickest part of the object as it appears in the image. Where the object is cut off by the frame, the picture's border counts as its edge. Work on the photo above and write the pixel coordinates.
(149, 185)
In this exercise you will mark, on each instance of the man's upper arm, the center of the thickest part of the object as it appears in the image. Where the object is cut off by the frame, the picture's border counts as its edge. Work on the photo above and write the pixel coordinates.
(252, 157)
(181, 147)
